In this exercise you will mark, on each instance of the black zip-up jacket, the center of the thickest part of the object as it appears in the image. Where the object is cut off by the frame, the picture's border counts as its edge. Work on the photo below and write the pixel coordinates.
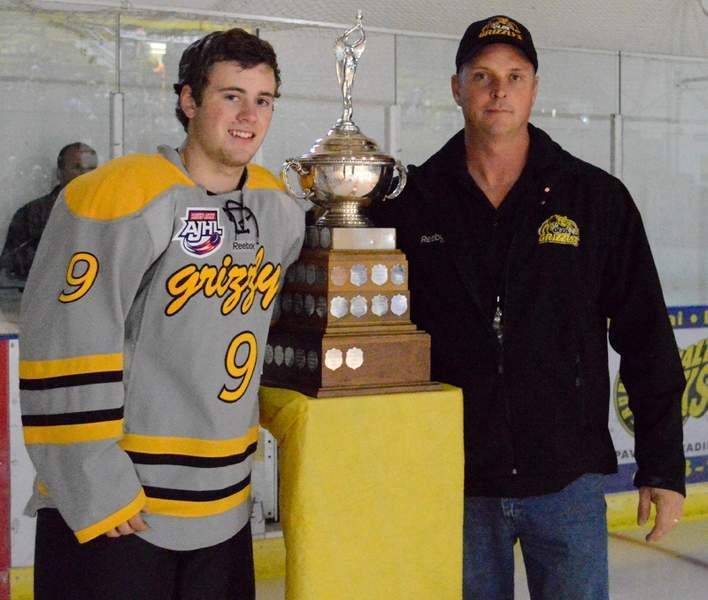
(24, 233)
(536, 405)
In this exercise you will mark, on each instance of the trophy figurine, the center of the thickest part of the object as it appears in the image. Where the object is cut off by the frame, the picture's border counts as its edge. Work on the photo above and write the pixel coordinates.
(344, 323)
(348, 49)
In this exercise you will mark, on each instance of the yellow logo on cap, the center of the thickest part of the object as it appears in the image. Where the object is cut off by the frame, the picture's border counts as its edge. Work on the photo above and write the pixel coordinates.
(558, 229)
(502, 26)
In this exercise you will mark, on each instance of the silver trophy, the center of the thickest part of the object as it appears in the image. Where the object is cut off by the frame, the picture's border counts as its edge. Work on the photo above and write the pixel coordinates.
(345, 171)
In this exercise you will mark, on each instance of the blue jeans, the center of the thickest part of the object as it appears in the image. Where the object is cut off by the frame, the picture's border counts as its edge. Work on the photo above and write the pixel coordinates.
(563, 539)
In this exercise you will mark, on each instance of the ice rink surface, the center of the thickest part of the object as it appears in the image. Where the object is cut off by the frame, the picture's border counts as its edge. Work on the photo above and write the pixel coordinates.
(675, 569)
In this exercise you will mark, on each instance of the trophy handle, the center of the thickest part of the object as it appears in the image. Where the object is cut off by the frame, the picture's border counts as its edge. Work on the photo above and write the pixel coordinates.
(402, 173)
(298, 168)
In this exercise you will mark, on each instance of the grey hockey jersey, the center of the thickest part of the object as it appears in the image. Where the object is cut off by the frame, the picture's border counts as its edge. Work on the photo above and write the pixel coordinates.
(142, 333)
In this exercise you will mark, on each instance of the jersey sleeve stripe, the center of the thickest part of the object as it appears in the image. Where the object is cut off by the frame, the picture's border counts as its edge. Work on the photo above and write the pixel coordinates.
(190, 509)
(71, 380)
(142, 458)
(74, 365)
(73, 434)
(125, 513)
(75, 418)
(150, 444)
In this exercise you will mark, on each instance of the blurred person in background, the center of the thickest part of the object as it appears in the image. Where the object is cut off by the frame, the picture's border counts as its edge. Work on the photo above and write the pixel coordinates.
(29, 221)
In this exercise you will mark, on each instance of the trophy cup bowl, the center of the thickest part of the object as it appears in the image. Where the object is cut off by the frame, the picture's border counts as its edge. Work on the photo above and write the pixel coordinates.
(343, 174)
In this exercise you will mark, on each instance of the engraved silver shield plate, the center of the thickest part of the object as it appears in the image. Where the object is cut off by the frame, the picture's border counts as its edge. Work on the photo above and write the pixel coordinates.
(298, 304)
(333, 359)
(338, 275)
(379, 305)
(309, 305)
(399, 305)
(310, 274)
(358, 306)
(320, 276)
(286, 302)
(291, 275)
(398, 275)
(312, 239)
(357, 275)
(321, 307)
(300, 359)
(325, 238)
(338, 307)
(355, 358)
(300, 273)
(379, 274)
(289, 357)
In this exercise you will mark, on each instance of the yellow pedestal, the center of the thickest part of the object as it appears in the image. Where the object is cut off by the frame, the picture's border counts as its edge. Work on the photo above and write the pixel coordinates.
(371, 492)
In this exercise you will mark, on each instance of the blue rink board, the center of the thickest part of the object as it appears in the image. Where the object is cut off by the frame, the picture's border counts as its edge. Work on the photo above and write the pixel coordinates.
(696, 472)
(682, 317)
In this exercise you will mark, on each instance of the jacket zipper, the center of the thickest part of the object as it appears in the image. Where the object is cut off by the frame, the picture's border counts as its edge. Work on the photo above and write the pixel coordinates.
(498, 326)
(499, 330)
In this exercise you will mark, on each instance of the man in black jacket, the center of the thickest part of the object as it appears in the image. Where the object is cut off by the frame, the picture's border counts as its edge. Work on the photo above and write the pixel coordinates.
(29, 221)
(521, 256)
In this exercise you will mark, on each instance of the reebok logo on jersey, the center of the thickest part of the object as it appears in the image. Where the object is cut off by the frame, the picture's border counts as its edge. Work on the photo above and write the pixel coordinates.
(201, 233)
(246, 232)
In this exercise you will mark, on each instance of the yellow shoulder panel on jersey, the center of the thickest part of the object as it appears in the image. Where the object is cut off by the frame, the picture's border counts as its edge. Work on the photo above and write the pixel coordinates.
(260, 178)
(122, 186)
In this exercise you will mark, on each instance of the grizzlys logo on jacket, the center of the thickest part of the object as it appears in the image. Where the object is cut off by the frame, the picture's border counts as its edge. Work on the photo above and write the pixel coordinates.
(246, 233)
(201, 233)
(558, 229)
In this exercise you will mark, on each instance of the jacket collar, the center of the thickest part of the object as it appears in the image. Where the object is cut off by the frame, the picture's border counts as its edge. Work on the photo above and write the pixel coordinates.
(544, 155)
(443, 175)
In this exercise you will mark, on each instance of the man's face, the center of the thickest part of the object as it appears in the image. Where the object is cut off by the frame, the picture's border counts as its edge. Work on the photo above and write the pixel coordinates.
(496, 90)
(76, 162)
(230, 123)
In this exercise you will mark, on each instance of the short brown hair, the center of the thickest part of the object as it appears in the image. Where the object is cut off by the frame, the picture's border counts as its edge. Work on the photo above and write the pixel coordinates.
(234, 45)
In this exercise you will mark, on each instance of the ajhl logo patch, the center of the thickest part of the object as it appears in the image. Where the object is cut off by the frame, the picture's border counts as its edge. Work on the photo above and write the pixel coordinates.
(201, 234)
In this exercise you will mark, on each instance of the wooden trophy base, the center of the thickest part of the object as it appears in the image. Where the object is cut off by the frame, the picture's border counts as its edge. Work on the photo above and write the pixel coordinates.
(344, 326)
(352, 364)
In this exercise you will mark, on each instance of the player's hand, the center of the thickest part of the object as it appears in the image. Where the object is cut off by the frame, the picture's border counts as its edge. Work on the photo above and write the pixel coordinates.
(669, 508)
(132, 525)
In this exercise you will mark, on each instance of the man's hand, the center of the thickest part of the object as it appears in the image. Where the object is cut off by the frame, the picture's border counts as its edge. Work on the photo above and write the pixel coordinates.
(669, 508)
(132, 525)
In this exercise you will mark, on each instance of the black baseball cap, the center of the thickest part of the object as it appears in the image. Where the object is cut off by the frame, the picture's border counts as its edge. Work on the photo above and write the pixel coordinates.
(495, 30)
